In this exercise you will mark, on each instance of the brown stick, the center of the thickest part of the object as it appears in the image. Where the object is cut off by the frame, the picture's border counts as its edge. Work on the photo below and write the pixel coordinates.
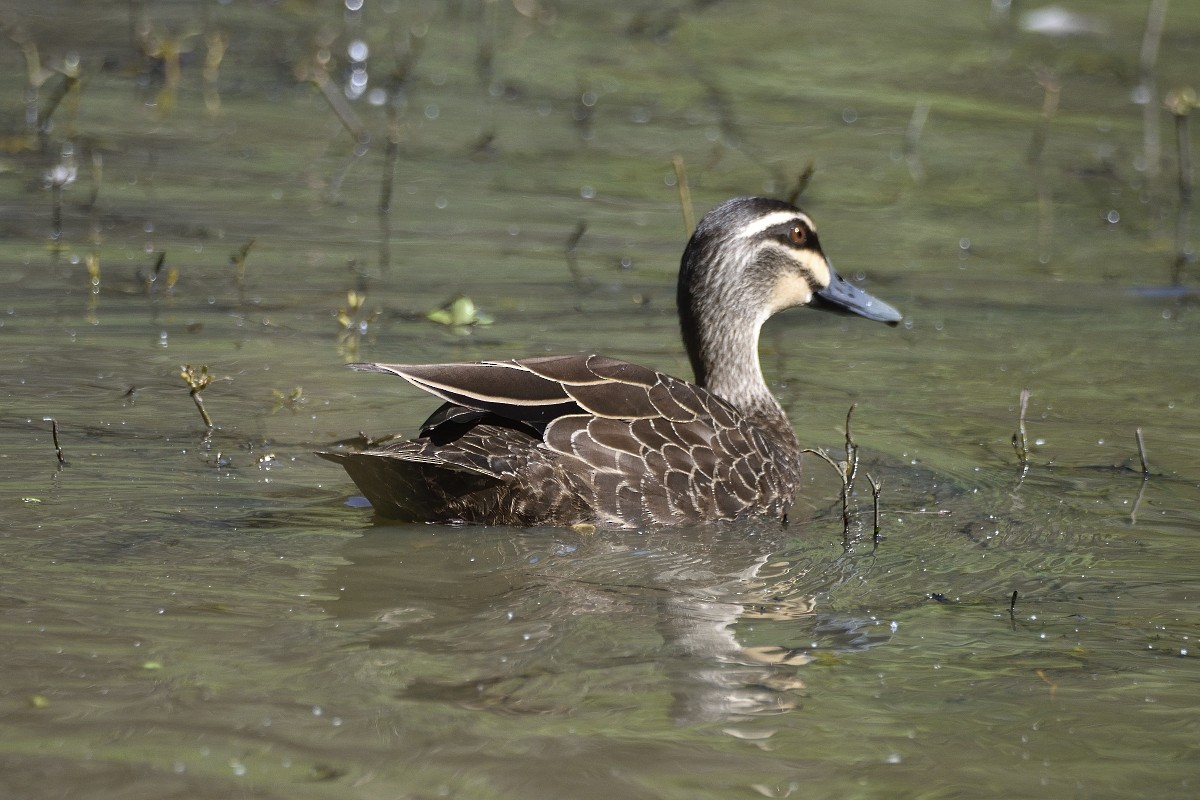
(875, 489)
(1141, 445)
(58, 451)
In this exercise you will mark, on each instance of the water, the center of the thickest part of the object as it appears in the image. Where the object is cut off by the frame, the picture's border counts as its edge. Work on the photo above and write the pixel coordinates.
(202, 615)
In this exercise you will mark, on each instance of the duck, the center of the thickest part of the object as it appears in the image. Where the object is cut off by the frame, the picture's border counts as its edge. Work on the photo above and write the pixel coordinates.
(571, 440)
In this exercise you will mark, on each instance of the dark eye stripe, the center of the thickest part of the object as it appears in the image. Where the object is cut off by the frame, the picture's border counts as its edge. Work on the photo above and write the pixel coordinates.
(783, 233)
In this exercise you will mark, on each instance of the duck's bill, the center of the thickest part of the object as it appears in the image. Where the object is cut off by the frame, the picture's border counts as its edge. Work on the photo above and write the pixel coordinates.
(844, 297)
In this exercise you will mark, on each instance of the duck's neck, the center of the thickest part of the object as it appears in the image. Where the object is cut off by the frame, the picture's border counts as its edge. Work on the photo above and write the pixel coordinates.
(722, 345)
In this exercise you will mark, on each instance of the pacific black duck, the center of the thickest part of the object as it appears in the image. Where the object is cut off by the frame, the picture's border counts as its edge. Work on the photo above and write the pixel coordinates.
(584, 438)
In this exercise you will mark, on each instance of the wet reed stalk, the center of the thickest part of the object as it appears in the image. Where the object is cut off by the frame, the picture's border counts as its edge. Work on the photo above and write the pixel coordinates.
(875, 489)
(1151, 37)
(572, 250)
(847, 471)
(1141, 446)
(1052, 92)
(68, 82)
(802, 181)
(1020, 441)
(685, 195)
(58, 451)
(1185, 157)
(391, 150)
(851, 469)
(238, 260)
(199, 401)
(1180, 103)
(197, 381)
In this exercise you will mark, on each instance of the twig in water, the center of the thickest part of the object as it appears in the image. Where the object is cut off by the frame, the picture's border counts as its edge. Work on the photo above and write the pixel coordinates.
(1180, 103)
(1020, 442)
(847, 471)
(316, 71)
(1052, 90)
(238, 259)
(875, 488)
(685, 195)
(851, 451)
(802, 181)
(1141, 444)
(1146, 89)
(58, 451)
(406, 58)
(197, 380)
(573, 251)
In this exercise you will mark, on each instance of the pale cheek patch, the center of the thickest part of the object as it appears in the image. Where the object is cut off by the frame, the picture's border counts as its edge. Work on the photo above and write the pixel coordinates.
(789, 291)
(794, 287)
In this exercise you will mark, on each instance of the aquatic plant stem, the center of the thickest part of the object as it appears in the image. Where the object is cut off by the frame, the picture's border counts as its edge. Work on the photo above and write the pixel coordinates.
(802, 181)
(876, 487)
(685, 195)
(572, 252)
(847, 471)
(58, 451)
(197, 381)
(1141, 445)
(1052, 91)
(1147, 63)
(1020, 441)
(1180, 103)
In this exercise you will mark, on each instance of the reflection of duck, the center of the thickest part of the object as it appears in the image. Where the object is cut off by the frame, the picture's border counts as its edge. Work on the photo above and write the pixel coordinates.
(568, 439)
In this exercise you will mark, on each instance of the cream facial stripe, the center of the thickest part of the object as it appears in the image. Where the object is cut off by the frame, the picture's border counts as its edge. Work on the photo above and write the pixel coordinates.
(810, 263)
(772, 220)
(815, 267)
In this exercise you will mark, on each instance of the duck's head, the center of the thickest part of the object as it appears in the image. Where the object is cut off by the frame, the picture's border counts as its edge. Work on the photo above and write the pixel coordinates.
(748, 259)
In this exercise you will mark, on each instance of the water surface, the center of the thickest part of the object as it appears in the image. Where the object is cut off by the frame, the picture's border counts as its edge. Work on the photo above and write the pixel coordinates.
(200, 614)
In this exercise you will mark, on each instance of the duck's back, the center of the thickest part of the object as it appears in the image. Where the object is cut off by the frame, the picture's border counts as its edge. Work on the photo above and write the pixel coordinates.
(564, 440)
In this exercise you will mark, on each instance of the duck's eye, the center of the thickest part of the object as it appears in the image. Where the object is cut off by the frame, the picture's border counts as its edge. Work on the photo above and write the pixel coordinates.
(798, 234)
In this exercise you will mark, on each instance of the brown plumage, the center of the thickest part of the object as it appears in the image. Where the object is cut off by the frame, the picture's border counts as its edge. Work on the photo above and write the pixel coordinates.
(568, 439)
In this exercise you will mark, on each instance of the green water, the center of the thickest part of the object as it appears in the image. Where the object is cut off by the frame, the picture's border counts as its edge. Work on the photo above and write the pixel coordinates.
(201, 615)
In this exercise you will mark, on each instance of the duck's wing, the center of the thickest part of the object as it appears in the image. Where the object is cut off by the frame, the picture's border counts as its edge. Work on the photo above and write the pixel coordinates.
(640, 446)
(690, 457)
(539, 390)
